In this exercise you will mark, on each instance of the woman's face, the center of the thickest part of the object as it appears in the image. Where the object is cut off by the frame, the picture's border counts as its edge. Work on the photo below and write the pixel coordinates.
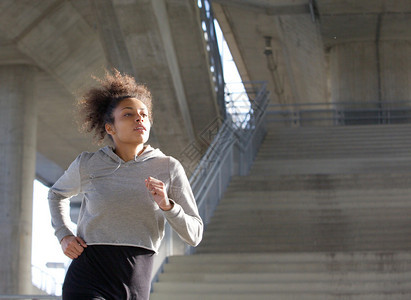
(131, 123)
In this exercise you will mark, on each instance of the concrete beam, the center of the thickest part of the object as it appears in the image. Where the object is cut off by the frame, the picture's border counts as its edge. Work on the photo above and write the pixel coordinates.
(10, 55)
(146, 29)
(111, 37)
(114, 45)
(160, 12)
(276, 7)
(351, 7)
(56, 37)
(192, 56)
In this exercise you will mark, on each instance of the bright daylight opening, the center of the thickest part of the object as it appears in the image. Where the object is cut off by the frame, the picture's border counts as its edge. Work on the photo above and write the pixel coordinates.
(237, 101)
(48, 261)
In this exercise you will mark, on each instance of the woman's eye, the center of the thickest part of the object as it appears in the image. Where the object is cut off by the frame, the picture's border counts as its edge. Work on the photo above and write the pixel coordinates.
(127, 115)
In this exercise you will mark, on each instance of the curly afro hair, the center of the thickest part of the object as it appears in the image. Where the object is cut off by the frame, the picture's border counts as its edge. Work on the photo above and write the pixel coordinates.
(97, 105)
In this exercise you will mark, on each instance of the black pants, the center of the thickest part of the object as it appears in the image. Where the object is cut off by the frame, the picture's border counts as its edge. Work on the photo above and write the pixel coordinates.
(105, 272)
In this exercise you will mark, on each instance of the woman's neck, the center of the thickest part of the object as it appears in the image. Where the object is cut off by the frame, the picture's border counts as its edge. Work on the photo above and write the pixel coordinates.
(127, 152)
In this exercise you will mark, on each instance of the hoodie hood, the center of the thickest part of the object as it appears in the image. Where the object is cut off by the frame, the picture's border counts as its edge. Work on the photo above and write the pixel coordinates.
(148, 153)
(112, 162)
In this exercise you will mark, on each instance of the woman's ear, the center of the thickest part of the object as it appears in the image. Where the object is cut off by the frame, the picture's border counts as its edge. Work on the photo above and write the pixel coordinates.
(109, 129)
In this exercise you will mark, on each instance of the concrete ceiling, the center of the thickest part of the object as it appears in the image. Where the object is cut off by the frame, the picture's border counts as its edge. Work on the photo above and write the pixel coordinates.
(302, 33)
(159, 42)
(348, 21)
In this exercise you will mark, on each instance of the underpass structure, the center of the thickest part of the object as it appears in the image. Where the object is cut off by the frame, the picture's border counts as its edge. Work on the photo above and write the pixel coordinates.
(308, 51)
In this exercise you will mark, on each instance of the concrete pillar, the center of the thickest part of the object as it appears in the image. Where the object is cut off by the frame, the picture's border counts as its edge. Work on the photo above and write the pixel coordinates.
(18, 118)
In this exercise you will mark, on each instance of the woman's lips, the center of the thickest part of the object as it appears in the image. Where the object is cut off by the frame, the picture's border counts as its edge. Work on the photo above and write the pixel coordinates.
(139, 128)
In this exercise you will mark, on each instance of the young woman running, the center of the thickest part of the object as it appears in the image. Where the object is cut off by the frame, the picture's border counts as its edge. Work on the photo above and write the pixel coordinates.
(129, 191)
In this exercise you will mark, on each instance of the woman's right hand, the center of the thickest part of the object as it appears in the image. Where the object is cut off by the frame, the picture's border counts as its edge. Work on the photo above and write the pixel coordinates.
(72, 246)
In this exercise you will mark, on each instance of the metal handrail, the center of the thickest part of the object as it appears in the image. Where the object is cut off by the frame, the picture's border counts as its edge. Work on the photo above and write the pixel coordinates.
(224, 138)
(347, 103)
(229, 133)
(344, 113)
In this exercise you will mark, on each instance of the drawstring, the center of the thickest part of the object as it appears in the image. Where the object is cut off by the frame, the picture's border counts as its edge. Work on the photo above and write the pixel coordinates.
(118, 167)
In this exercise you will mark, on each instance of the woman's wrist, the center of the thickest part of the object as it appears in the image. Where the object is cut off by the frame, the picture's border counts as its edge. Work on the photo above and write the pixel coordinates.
(168, 207)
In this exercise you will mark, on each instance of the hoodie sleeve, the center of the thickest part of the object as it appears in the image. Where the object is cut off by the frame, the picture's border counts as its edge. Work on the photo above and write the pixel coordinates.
(183, 217)
(66, 186)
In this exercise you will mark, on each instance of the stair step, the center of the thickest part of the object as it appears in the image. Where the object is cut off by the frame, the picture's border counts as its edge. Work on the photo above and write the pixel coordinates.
(402, 295)
(323, 214)
(319, 257)
(285, 277)
(263, 268)
(310, 287)
(319, 182)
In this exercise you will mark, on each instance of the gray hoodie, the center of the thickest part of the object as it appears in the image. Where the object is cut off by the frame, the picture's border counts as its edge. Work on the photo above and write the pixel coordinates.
(117, 208)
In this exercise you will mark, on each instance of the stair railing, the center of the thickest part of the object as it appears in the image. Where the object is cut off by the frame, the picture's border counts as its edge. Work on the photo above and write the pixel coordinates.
(230, 153)
(340, 114)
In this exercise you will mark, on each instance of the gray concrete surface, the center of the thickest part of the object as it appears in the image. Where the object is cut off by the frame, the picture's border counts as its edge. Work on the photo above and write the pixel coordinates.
(316, 232)
(286, 276)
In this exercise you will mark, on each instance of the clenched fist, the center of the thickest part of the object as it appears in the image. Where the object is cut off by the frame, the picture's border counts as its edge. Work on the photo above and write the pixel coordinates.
(157, 189)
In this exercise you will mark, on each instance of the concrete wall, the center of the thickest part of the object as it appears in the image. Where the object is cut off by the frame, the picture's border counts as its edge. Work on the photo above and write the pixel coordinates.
(395, 67)
(365, 72)
(353, 73)
(304, 56)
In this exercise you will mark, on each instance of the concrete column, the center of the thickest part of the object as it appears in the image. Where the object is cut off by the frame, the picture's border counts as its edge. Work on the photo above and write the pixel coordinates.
(18, 118)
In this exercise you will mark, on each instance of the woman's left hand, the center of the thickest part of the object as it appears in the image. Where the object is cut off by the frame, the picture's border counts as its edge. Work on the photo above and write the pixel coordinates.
(157, 188)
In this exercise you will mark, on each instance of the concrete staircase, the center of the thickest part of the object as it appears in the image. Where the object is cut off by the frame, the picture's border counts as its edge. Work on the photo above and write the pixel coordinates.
(324, 214)
(335, 150)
